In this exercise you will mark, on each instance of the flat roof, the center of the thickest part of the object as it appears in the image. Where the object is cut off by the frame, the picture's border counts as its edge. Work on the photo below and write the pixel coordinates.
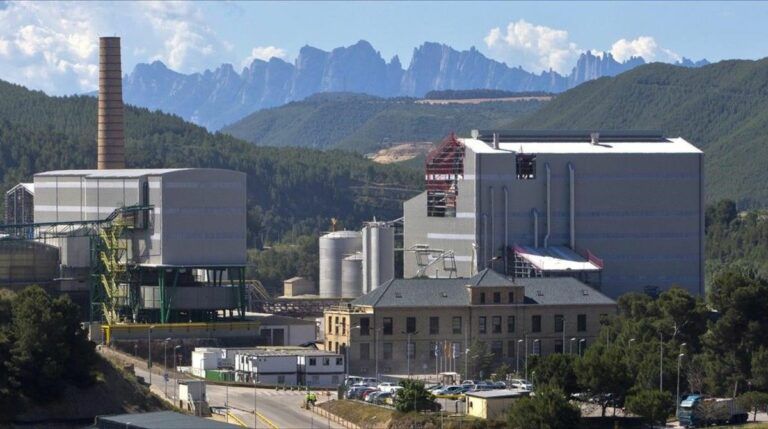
(555, 258)
(118, 172)
(162, 420)
(500, 393)
(536, 145)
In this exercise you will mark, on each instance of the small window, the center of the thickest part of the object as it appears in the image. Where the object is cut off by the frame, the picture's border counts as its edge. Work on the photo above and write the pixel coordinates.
(365, 326)
(280, 379)
(496, 324)
(511, 297)
(510, 324)
(326, 361)
(497, 297)
(581, 322)
(387, 328)
(434, 325)
(312, 362)
(559, 322)
(410, 325)
(339, 361)
(536, 323)
(558, 346)
(537, 347)
(482, 325)
(336, 325)
(526, 166)
(456, 324)
(482, 297)
(387, 351)
(330, 324)
(343, 326)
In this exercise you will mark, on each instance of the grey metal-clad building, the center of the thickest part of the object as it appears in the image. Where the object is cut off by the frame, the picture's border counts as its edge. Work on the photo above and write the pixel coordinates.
(198, 215)
(631, 204)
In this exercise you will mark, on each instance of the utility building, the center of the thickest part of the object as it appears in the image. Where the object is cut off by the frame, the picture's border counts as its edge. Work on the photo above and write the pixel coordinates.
(620, 211)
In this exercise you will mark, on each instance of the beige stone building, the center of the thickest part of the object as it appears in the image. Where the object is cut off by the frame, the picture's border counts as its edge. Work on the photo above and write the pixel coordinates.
(423, 325)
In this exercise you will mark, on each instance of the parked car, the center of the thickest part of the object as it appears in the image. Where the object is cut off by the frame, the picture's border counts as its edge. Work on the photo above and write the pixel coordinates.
(371, 397)
(451, 390)
(367, 393)
(522, 384)
(499, 385)
(434, 387)
(387, 386)
(381, 398)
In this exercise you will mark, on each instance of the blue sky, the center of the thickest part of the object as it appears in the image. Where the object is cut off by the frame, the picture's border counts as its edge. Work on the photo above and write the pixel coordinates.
(53, 46)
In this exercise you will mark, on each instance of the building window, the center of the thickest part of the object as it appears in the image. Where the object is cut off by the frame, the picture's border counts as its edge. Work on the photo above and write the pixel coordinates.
(456, 324)
(280, 379)
(365, 326)
(536, 323)
(343, 326)
(481, 324)
(411, 348)
(511, 297)
(365, 351)
(558, 346)
(312, 361)
(526, 166)
(336, 325)
(497, 297)
(559, 322)
(330, 345)
(482, 297)
(315, 379)
(330, 325)
(497, 348)
(537, 347)
(510, 324)
(339, 361)
(496, 324)
(387, 351)
(410, 325)
(581, 322)
(326, 361)
(434, 325)
(387, 322)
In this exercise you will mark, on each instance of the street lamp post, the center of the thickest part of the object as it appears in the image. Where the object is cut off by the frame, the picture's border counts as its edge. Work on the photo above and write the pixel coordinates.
(677, 401)
(175, 362)
(165, 365)
(572, 340)
(149, 352)
(581, 341)
(408, 350)
(517, 358)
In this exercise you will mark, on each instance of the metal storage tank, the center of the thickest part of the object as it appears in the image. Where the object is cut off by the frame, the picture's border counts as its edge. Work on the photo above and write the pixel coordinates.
(334, 246)
(352, 276)
(378, 254)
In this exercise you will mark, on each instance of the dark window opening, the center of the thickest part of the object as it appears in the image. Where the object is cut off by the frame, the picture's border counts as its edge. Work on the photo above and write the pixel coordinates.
(535, 323)
(482, 324)
(365, 326)
(387, 325)
(496, 324)
(456, 324)
(559, 322)
(497, 297)
(410, 325)
(434, 325)
(581, 322)
(526, 166)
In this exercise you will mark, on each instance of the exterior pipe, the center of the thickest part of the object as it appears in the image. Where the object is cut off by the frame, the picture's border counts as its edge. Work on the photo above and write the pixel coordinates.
(492, 240)
(485, 242)
(535, 227)
(506, 227)
(549, 206)
(571, 173)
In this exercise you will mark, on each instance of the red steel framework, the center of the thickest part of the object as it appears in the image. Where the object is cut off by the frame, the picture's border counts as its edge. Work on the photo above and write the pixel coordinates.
(444, 167)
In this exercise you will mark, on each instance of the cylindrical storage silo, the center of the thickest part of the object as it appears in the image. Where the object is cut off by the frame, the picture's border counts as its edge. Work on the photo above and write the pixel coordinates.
(352, 276)
(334, 247)
(379, 254)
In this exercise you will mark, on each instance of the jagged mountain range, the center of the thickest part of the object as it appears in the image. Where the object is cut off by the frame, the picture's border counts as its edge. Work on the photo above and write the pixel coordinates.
(223, 96)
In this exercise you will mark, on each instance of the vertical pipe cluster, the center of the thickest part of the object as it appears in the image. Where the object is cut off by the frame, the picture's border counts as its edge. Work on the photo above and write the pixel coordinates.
(110, 139)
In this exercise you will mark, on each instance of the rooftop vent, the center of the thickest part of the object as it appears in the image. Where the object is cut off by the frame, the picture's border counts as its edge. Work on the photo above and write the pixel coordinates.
(584, 292)
(444, 295)
(594, 138)
(539, 293)
(398, 295)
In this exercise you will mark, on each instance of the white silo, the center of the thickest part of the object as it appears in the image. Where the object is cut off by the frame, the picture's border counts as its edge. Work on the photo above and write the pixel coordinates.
(334, 246)
(352, 276)
(378, 254)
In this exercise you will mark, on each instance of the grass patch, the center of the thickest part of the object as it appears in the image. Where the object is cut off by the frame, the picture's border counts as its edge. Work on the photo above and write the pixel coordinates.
(359, 413)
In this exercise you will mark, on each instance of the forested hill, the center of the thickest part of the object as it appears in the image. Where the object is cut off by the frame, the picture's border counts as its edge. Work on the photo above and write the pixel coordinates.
(290, 190)
(365, 123)
(722, 108)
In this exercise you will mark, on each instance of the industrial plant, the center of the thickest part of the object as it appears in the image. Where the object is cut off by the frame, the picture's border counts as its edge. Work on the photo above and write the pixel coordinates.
(130, 245)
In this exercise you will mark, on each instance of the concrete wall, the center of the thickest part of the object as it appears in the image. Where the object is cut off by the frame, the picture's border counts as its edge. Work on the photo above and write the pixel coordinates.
(641, 213)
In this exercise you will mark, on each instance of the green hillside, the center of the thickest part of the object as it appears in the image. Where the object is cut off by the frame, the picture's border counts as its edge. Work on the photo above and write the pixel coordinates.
(362, 122)
(721, 108)
(291, 191)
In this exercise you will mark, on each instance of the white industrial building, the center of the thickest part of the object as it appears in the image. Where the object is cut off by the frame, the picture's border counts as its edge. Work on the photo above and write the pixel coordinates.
(621, 211)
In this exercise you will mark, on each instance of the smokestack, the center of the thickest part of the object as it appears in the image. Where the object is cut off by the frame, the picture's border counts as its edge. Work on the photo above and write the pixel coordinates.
(110, 140)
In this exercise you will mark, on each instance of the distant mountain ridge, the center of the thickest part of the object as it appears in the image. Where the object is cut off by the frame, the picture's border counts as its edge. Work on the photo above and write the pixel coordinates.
(223, 96)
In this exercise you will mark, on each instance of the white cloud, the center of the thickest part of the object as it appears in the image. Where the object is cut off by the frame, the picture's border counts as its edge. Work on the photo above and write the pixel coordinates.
(643, 46)
(53, 46)
(264, 53)
(535, 47)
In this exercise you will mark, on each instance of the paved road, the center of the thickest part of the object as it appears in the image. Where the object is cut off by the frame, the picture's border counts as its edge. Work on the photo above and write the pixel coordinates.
(282, 408)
